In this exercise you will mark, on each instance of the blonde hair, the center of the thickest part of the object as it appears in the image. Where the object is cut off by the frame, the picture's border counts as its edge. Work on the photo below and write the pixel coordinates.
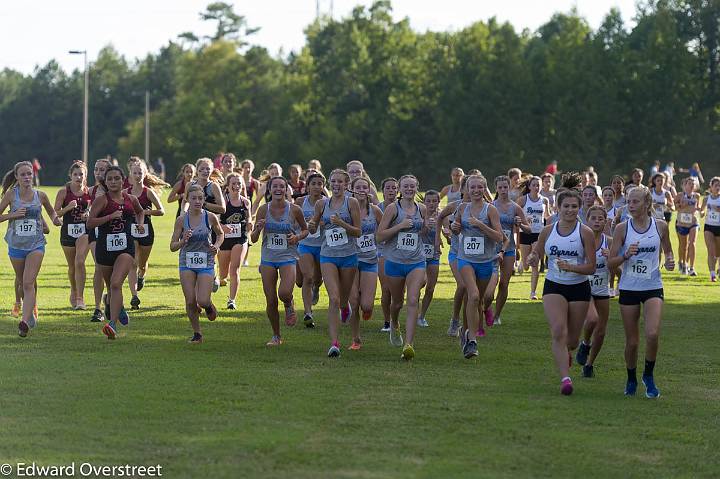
(10, 178)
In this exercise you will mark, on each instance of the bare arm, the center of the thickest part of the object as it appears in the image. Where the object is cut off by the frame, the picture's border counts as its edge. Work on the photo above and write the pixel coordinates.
(155, 200)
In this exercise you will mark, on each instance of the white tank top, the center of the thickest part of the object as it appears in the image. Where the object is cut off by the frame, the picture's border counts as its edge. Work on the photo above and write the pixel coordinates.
(599, 279)
(659, 201)
(535, 212)
(569, 248)
(642, 271)
(713, 211)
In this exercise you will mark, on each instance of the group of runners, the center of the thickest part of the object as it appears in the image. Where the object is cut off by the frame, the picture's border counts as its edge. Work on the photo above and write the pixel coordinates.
(338, 231)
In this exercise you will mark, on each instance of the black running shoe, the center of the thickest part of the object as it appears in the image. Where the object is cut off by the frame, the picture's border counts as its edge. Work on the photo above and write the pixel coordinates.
(470, 350)
(135, 303)
(140, 283)
(97, 317)
(587, 371)
(582, 354)
(308, 320)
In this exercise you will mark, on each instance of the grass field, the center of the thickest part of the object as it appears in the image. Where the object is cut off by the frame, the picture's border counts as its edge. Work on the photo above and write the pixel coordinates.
(233, 408)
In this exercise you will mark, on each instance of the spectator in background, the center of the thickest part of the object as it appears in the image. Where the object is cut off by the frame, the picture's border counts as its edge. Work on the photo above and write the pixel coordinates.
(160, 170)
(670, 168)
(36, 171)
(694, 172)
(655, 169)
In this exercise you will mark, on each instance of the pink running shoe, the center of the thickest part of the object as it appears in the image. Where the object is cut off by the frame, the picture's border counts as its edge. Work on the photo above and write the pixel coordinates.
(489, 318)
(345, 313)
(481, 333)
(566, 387)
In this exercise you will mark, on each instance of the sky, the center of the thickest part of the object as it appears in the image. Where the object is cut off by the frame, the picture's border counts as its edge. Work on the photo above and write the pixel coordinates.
(137, 27)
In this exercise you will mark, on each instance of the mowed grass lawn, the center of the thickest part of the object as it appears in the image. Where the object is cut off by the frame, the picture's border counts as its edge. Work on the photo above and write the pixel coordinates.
(232, 407)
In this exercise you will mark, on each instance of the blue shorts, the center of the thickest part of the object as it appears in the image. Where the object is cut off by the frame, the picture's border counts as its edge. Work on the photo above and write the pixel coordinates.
(483, 271)
(452, 257)
(432, 262)
(364, 267)
(400, 270)
(208, 271)
(278, 264)
(341, 261)
(313, 250)
(22, 254)
(684, 230)
(509, 253)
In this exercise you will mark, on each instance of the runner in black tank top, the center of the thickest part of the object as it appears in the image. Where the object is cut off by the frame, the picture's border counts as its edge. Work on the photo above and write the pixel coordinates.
(234, 222)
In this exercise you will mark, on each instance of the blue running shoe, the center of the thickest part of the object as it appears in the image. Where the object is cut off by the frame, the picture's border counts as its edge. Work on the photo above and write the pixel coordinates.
(651, 391)
(123, 317)
(630, 388)
(582, 354)
(587, 371)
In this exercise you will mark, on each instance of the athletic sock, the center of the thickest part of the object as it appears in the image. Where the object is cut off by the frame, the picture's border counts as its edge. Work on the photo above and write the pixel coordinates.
(632, 375)
(649, 368)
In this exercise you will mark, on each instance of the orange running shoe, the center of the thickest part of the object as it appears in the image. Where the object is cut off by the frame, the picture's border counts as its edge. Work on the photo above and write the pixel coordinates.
(15, 313)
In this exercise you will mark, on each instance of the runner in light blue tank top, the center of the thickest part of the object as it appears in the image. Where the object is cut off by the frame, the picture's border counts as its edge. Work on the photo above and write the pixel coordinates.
(431, 201)
(389, 187)
(26, 233)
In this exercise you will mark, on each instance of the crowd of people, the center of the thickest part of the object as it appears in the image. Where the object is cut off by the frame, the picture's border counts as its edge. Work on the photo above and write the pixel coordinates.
(593, 242)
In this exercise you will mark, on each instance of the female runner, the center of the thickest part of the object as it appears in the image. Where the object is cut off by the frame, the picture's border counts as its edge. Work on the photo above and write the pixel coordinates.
(97, 191)
(113, 214)
(570, 247)
(404, 257)
(283, 225)
(536, 210)
(389, 188)
(711, 230)
(662, 198)
(637, 248)
(192, 237)
(338, 218)
(309, 249)
(235, 222)
(72, 203)
(686, 225)
(25, 237)
(452, 191)
(187, 173)
(431, 200)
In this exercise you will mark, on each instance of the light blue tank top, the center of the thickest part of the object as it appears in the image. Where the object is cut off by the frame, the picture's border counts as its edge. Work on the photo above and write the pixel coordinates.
(26, 233)
(475, 246)
(507, 222)
(407, 246)
(314, 240)
(336, 243)
(195, 254)
(275, 247)
(366, 243)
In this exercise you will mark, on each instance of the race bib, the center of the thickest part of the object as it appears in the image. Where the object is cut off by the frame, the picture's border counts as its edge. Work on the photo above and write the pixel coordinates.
(136, 233)
(76, 230)
(659, 211)
(25, 227)
(235, 230)
(336, 237)
(563, 273)
(366, 243)
(714, 216)
(276, 241)
(429, 250)
(474, 245)
(536, 225)
(196, 260)
(686, 218)
(599, 280)
(116, 242)
(639, 268)
(407, 241)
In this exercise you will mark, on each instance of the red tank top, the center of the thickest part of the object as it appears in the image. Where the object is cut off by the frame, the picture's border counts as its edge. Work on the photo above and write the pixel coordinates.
(142, 197)
(75, 215)
(118, 225)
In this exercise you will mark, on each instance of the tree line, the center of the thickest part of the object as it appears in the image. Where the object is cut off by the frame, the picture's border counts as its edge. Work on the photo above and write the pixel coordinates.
(369, 87)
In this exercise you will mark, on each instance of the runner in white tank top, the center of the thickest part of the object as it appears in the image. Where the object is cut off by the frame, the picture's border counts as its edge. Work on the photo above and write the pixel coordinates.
(537, 211)
(711, 230)
(570, 247)
(637, 249)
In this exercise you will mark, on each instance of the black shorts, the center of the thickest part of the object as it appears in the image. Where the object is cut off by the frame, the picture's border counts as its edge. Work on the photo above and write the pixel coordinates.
(633, 298)
(92, 236)
(668, 216)
(571, 292)
(598, 298)
(528, 238)
(107, 258)
(65, 238)
(715, 230)
(228, 244)
(148, 240)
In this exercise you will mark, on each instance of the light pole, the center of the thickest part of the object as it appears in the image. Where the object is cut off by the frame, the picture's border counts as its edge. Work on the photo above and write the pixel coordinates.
(85, 106)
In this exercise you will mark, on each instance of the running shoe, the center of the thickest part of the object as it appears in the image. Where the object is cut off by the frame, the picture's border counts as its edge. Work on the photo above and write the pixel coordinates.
(367, 315)
(454, 328)
(582, 353)
(211, 312)
(315, 294)
(80, 305)
(97, 316)
(566, 387)
(356, 345)
(15, 313)
(135, 302)
(481, 333)
(290, 315)
(141, 285)
(308, 320)
(691, 271)
(109, 331)
(651, 391)
(274, 341)
(386, 327)
(488, 318)
(231, 304)
(345, 313)
(23, 329)
(396, 337)
(223, 282)
(216, 285)
(470, 350)
(533, 296)
(630, 388)
(587, 371)
(408, 352)
(422, 323)
(196, 339)
(497, 322)
(123, 317)
(334, 351)
(713, 278)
